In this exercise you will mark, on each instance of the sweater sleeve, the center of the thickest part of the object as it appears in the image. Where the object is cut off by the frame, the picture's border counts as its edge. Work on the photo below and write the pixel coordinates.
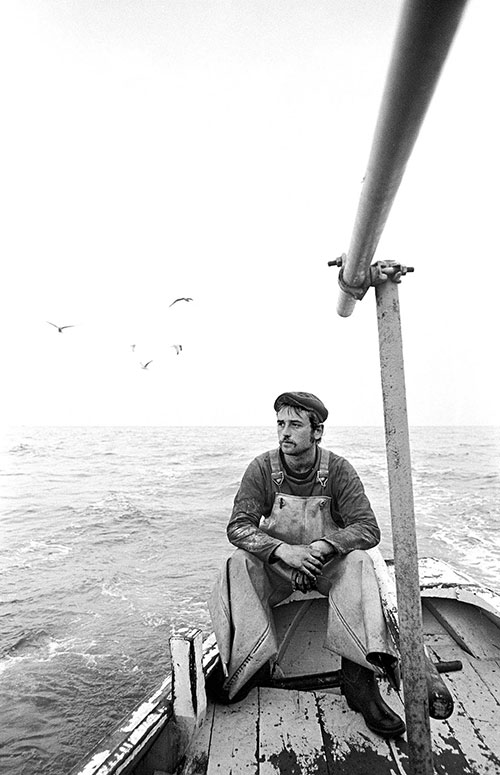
(360, 530)
(253, 500)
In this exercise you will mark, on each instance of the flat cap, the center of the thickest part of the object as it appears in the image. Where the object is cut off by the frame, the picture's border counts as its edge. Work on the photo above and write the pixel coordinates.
(303, 401)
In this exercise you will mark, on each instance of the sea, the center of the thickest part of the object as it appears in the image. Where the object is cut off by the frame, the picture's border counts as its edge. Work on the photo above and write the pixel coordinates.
(111, 539)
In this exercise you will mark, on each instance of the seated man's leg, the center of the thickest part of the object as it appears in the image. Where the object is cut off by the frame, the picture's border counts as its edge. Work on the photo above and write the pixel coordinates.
(356, 625)
(241, 613)
(358, 632)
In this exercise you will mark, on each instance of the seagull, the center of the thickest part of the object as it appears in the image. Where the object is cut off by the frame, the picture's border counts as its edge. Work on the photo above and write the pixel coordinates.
(132, 347)
(182, 298)
(177, 348)
(59, 328)
(145, 365)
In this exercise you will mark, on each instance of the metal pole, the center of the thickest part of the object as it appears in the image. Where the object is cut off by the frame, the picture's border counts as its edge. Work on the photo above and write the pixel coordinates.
(424, 37)
(403, 527)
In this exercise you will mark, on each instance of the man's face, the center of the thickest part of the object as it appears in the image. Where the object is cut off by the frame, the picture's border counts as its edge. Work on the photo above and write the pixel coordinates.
(295, 434)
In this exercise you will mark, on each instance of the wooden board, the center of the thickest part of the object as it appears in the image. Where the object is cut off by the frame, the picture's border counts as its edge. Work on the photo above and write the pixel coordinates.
(489, 672)
(301, 628)
(196, 762)
(290, 739)
(350, 747)
(234, 738)
(469, 627)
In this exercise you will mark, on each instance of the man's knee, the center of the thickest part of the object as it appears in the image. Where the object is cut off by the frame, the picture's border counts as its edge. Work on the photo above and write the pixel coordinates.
(351, 564)
(241, 559)
(357, 557)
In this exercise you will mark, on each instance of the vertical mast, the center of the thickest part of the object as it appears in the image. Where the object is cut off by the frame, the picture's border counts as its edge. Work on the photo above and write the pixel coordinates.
(425, 34)
(404, 535)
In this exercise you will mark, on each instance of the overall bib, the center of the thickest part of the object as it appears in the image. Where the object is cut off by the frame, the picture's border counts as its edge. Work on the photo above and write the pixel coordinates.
(248, 588)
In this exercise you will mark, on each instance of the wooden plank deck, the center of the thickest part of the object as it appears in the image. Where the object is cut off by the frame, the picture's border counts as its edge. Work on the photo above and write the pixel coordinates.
(290, 732)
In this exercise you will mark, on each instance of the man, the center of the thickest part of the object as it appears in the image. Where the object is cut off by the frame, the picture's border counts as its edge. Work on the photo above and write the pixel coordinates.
(301, 520)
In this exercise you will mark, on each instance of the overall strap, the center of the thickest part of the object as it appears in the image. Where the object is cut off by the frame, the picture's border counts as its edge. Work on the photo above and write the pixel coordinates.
(322, 475)
(277, 474)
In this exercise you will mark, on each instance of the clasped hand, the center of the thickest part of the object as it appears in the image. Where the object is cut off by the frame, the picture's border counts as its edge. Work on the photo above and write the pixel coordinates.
(307, 559)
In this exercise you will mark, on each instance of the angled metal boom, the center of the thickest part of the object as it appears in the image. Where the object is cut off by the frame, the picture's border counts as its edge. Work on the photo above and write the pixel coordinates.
(425, 33)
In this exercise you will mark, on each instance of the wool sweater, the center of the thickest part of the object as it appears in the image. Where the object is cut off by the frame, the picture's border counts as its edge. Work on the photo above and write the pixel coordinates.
(353, 523)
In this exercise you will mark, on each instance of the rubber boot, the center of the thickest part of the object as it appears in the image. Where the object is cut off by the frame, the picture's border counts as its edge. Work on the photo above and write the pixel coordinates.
(360, 688)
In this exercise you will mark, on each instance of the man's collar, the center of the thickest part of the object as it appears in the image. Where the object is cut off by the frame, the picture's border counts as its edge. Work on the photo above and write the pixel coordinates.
(302, 474)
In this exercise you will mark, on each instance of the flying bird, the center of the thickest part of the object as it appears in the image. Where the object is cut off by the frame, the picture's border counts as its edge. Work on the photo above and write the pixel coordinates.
(177, 348)
(59, 328)
(132, 347)
(182, 298)
(145, 365)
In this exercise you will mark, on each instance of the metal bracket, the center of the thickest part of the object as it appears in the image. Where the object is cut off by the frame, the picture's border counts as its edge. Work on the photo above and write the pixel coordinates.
(382, 271)
(356, 291)
(378, 273)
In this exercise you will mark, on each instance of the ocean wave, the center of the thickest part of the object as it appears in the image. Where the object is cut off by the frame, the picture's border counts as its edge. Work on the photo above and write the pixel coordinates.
(27, 642)
(40, 647)
(21, 449)
(114, 588)
(155, 620)
(32, 554)
(36, 645)
(471, 545)
(47, 548)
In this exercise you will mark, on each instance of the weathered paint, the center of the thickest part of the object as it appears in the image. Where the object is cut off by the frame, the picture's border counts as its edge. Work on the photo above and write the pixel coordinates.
(96, 761)
(439, 579)
(289, 734)
(138, 715)
(188, 685)
(287, 762)
(450, 759)
(350, 747)
(197, 756)
(234, 737)
(358, 760)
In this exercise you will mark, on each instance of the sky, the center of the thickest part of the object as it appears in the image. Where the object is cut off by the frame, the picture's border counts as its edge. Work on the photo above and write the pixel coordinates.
(157, 149)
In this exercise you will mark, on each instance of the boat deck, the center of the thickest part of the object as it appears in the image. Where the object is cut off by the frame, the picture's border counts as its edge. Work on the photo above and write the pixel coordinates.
(292, 732)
